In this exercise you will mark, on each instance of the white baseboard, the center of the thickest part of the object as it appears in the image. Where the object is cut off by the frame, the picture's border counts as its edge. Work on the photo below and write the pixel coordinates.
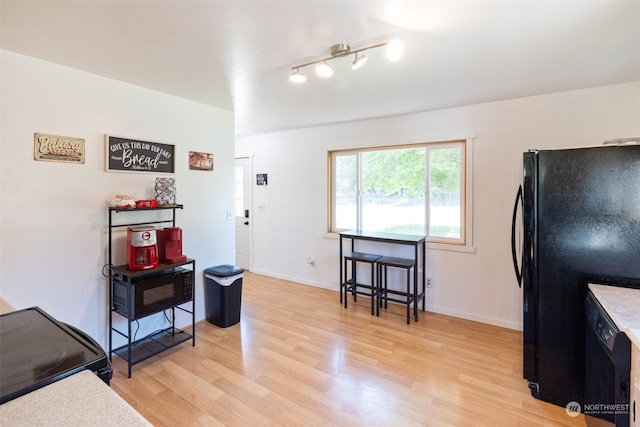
(474, 317)
(297, 280)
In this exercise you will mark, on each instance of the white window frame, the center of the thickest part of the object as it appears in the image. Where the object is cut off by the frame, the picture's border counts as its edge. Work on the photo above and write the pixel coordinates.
(465, 244)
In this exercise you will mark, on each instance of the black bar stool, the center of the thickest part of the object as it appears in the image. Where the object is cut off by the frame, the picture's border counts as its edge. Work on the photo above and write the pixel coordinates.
(383, 292)
(352, 285)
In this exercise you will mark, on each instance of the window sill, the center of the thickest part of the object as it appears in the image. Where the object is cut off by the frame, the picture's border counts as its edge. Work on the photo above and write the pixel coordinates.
(452, 248)
(436, 246)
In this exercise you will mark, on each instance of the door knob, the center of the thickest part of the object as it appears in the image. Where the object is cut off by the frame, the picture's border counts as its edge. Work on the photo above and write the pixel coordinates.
(246, 223)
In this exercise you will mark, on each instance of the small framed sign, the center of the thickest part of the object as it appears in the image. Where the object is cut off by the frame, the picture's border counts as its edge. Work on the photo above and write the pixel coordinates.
(56, 148)
(134, 155)
(261, 179)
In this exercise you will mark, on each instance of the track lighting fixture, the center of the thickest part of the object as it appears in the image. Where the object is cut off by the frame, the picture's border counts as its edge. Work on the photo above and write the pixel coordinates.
(394, 50)
(324, 70)
(358, 61)
(297, 77)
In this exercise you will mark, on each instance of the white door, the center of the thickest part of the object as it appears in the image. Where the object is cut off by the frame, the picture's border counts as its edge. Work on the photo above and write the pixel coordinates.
(243, 212)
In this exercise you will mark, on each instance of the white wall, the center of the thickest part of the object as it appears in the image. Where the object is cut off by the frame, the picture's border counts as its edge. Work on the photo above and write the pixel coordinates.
(479, 286)
(54, 215)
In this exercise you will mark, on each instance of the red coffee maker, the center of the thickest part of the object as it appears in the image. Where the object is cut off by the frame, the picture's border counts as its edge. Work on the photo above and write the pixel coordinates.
(170, 244)
(142, 248)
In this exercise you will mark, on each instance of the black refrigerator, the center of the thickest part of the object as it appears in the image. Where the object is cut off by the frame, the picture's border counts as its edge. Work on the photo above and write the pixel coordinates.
(580, 213)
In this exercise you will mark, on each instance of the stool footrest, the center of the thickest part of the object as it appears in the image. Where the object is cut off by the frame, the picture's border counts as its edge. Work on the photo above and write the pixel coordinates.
(350, 285)
(383, 294)
(366, 294)
(384, 291)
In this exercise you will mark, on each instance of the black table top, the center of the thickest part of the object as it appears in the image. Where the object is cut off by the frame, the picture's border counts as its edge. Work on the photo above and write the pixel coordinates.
(383, 237)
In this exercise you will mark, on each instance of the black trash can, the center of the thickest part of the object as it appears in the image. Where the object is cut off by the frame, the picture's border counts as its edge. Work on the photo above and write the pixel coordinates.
(223, 294)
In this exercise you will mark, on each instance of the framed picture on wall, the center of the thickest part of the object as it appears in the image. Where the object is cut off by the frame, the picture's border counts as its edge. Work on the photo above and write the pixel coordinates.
(136, 155)
(200, 161)
(261, 179)
(56, 148)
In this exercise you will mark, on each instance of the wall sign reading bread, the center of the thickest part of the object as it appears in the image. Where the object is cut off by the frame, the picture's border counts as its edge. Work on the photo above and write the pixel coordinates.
(56, 148)
(134, 155)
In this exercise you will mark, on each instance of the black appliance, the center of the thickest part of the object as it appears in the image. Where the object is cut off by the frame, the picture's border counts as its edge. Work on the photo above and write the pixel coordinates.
(37, 350)
(581, 224)
(152, 294)
(607, 391)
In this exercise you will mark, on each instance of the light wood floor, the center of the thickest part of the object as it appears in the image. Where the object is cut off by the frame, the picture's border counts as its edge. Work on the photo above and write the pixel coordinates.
(298, 358)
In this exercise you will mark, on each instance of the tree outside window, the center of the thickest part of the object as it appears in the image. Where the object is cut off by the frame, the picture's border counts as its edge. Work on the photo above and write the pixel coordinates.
(385, 190)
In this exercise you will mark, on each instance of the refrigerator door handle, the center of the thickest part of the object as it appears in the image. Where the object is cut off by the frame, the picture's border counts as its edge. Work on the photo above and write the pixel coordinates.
(517, 269)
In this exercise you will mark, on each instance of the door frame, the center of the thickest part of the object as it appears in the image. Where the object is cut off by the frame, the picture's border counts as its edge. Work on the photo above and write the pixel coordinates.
(248, 204)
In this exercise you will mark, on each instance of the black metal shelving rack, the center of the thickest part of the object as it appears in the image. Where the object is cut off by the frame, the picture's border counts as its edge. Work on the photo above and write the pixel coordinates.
(141, 349)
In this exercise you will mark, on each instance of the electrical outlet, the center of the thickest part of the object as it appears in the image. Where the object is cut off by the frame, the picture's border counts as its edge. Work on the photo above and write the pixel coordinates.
(429, 282)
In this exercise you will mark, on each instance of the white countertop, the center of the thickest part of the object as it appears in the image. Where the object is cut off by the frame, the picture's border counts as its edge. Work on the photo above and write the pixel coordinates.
(623, 306)
(81, 399)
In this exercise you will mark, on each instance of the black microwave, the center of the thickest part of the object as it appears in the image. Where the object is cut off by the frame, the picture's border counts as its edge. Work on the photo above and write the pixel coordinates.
(149, 295)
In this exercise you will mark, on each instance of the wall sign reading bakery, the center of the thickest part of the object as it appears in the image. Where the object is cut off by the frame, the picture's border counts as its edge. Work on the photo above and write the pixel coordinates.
(126, 154)
(56, 148)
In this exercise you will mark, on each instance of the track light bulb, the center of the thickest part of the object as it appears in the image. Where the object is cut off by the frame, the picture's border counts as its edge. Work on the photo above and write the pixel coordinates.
(297, 77)
(358, 62)
(394, 50)
(324, 70)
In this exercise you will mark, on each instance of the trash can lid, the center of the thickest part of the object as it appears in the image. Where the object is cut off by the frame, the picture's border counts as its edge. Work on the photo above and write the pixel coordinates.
(224, 270)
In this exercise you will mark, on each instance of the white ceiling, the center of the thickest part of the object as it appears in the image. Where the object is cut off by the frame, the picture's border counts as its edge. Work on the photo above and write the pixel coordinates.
(237, 55)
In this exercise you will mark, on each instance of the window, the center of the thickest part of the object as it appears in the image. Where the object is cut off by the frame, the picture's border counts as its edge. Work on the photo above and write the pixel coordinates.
(239, 191)
(409, 189)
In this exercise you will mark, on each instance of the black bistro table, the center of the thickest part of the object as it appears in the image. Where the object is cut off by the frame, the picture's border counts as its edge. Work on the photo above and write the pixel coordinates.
(418, 243)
